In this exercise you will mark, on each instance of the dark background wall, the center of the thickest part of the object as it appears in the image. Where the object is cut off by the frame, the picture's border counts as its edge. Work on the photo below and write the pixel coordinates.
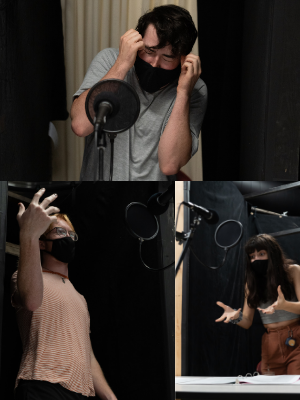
(218, 349)
(3, 210)
(32, 86)
(250, 52)
(131, 308)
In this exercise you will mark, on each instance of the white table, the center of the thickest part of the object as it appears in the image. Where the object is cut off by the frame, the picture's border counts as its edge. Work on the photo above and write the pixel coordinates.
(237, 392)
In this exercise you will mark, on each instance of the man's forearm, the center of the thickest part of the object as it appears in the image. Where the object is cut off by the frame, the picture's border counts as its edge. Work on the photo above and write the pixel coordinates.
(175, 145)
(81, 125)
(101, 386)
(30, 279)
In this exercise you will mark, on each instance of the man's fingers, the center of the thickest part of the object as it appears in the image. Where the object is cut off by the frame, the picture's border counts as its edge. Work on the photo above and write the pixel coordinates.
(189, 68)
(21, 210)
(45, 203)
(52, 210)
(37, 196)
(140, 45)
(131, 35)
(129, 32)
(194, 61)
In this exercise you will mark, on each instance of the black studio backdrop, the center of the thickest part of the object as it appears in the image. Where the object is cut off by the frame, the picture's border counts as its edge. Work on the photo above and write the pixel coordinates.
(219, 349)
(32, 86)
(131, 308)
(250, 53)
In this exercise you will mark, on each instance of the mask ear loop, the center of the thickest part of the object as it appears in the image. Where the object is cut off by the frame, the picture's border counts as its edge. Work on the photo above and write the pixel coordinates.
(145, 265)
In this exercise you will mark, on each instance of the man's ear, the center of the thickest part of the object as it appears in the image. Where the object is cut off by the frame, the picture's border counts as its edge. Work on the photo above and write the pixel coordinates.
(42, 244)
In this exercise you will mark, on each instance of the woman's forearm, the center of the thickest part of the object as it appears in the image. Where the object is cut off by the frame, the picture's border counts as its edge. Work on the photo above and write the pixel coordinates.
(245, 323)
(291, 306)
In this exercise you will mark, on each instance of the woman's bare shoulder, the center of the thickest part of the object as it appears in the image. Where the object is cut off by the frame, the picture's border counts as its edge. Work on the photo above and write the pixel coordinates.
(294, 270)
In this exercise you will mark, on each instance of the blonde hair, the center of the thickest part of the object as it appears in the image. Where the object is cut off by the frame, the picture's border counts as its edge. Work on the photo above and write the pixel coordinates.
(61, 216)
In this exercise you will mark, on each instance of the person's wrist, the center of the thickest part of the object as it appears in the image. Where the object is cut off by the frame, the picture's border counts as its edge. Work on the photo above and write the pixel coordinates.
(238, 319)
(122, 66)
(27, 236)
(184, 93)
(283, 305)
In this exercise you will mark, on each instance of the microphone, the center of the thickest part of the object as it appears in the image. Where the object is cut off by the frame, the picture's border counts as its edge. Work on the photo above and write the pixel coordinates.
(106, 105)
(210, 216)
(158, 203)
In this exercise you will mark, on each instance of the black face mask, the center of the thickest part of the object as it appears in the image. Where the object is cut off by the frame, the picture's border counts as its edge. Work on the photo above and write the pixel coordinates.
(62, 249)
(151, 79)
(260, 266)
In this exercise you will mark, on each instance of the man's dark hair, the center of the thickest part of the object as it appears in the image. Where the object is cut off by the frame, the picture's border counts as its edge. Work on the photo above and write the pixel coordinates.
(174, 26)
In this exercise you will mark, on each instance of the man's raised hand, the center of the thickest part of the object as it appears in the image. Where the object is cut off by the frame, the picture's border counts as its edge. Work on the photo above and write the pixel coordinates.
(190, 73)
(35, 220)
(130, 43)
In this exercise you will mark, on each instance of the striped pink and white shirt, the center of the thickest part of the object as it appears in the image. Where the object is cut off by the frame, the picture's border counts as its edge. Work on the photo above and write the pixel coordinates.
(55, 337)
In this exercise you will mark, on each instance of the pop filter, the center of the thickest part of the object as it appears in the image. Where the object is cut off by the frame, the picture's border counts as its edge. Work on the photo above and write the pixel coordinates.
(142, 224)
(118, 93)
(228, 233)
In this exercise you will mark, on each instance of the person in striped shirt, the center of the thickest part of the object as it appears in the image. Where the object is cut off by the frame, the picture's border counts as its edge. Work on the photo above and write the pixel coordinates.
(58, 360)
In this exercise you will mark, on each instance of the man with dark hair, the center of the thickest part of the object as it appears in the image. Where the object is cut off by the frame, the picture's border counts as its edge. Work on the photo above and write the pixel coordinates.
(156, 60)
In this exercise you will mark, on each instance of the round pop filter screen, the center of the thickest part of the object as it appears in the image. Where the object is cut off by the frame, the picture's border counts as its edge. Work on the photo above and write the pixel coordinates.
(128, 104)
(140, 222)
(229, 233)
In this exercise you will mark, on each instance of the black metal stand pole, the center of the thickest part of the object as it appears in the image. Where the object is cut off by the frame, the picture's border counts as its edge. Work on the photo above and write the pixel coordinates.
(189, 238)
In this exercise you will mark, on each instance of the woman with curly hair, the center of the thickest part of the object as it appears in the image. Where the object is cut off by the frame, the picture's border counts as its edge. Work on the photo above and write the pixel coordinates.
(273, 287)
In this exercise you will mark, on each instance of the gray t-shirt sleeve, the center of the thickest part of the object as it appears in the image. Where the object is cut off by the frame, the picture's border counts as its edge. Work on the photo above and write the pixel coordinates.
(99, 67)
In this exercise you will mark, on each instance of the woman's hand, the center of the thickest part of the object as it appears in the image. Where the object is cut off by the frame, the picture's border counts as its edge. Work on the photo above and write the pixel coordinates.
(269, 310)
(229, 313)
(279, 304)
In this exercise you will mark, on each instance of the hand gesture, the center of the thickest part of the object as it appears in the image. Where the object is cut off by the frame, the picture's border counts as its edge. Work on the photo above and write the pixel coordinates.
(277, 305)
(269, 310)
(130, 43)
(190, 73)
(35, 220)
(229, 313)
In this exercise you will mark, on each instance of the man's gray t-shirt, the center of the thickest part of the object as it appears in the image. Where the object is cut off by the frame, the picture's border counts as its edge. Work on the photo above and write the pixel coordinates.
(136, 150)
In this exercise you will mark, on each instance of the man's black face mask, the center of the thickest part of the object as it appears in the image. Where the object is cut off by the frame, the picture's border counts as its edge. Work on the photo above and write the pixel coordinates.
(62, 249)
(151, 79)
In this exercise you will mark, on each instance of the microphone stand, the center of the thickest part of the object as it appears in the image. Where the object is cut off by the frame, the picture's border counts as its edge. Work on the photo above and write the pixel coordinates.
(188, 237)
(105, 108)
(112, 137)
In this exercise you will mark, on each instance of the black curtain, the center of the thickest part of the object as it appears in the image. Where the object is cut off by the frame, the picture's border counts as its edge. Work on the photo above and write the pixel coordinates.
(131, 308)
(218, 349)
(32, 86)
(3, 219)
(250, 53)
(220, 28)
